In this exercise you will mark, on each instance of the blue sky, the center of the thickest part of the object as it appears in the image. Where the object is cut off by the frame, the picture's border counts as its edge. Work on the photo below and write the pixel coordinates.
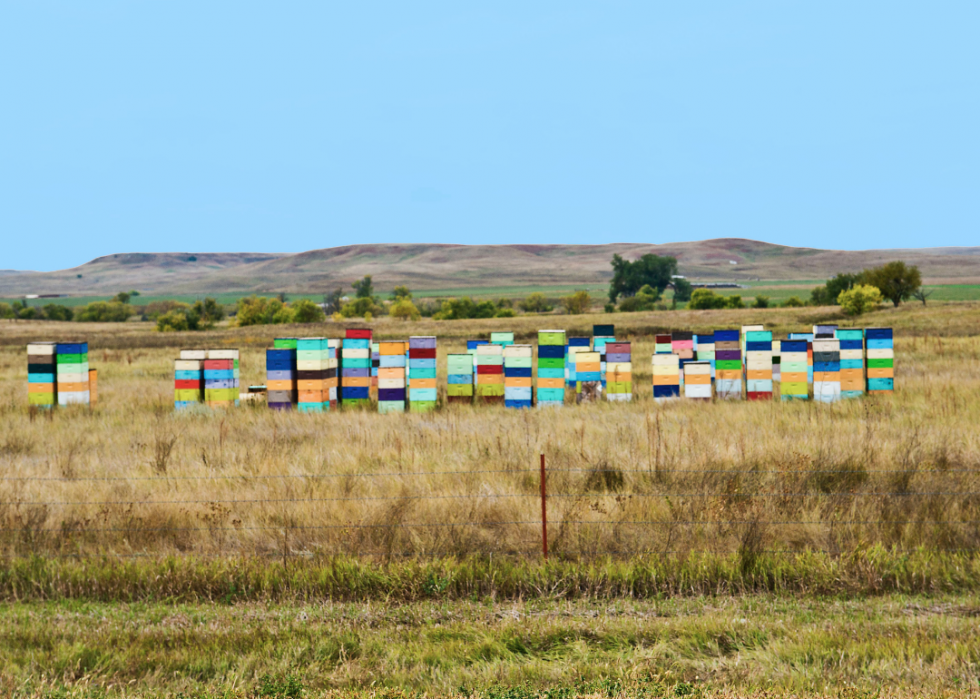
(220, 126)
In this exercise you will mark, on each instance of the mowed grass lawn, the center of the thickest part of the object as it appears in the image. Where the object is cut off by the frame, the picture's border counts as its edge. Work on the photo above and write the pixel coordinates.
(705, 646)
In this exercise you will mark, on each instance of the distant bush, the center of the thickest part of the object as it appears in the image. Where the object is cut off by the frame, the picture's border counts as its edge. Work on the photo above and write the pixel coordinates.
(259, 310)
(54, 311)
(793, 302)
(505, 313)
(7, 311)
(183, 317)
(305, 311)
(361, 307)
(462, 308)
(105, 312)
(706, 299)
(577, 303)
(644, 300)
(734, 302)
(761, 302)
(536, 303)
(860, 299)
(404, 309)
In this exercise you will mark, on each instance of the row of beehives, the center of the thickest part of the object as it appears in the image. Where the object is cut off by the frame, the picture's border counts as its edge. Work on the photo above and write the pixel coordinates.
(58, 373)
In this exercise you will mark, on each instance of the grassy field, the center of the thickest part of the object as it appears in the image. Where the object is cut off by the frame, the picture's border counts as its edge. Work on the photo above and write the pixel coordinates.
(132, 534)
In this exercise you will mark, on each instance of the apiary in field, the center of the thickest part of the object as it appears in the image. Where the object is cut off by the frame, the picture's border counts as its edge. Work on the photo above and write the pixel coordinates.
(826, 370)
(490, 373)
(851, 362)
(697, 380)
(793, 370)
(619, 371)
(421, 373)
(355, 367)
(392, 379)
(517, 376)
(221, 378)
(459, 381)
(42, 378)
(728, 365)
(758, 365)
(880, 350)
(551, 368)
(666, 376)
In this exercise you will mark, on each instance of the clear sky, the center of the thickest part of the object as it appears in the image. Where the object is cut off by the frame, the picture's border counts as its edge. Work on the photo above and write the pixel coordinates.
(288, 126)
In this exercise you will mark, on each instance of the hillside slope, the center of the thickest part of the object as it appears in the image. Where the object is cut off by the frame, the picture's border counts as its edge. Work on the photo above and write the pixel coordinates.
(426, 267)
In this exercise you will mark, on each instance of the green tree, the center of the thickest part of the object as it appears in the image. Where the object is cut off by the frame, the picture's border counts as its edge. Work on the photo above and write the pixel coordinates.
(461, 308)
(360, 307)
(734, 302)
(54, 311)
(505, 313)
(283, 315)
(364, 289)
(682, 290)
(827, 294)
(305, 311)
(401, 292)
(257, 310)
(761, 302)
(6, 311)
(104, 312)
(922, 295)
(577, 303)
(173, 321)
(404, 309)
(706, 299)
(210, 312)
(630, 277)
(896, 280)
(29, 313)
(859, 299)
(536, 303)
(793, 302)
(645, 300)
(123, 297)
(334, 301)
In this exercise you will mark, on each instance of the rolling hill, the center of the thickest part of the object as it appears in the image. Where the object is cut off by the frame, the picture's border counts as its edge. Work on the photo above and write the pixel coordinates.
(428, 267)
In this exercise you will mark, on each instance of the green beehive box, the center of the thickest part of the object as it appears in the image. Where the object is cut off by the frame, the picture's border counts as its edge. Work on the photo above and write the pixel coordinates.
(551, 337)
(285, 343)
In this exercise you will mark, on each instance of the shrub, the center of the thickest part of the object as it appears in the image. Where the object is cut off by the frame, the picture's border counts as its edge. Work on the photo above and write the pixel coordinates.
(860, 299)
(305, 311)
(404, 309)
(29, 313)
(761, 302)
(182, 317)
(458, 309)
(505, 313)
(401, 292)
(7, 311)
(173, 321)
(536, 303)
(706, 299)
(360, 307)
(827, 294)
(793, 302)
(283, 315)
(257, 310)
(577, 303)
(105, 312)
(158, 308)
(54, 311)
(734, 302)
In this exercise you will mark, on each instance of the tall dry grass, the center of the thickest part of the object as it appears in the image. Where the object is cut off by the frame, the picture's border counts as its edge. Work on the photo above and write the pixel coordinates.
(131, 477)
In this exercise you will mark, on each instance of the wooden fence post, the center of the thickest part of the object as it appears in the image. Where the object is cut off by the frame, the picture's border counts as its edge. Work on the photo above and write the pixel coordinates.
(544, 512)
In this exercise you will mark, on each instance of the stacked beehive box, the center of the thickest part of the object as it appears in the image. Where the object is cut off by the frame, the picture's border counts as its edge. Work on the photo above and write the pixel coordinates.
(355, 367)
(880, 350)
(189, 378)
(517, 376)
(666, 375)
(313, 367)
(619, 371)
(551, 368)
(704, 350)
(663, 344)
(392, 381)
(331, 380)
(758, 365)
(777, 352)
(826, 370)
(281, 374)
(42, 377)
(601, 336)
(221, 378)
(682, 344)
(459, 381)
(490, 373)
(575, 344)
(808, 338)
(471, 346)
(697, 380)
(728, 365)
(503, 339)
(375, 365)
(422, 373)
(793, 374)
(71, 361)
(851, 363)
(588, 376)
(93, 385)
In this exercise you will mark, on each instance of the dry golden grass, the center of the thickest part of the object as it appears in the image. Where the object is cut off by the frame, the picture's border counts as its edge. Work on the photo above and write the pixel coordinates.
(132, 477)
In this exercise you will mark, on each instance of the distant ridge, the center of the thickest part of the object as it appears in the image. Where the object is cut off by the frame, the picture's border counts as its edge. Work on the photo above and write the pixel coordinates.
(431, 267)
